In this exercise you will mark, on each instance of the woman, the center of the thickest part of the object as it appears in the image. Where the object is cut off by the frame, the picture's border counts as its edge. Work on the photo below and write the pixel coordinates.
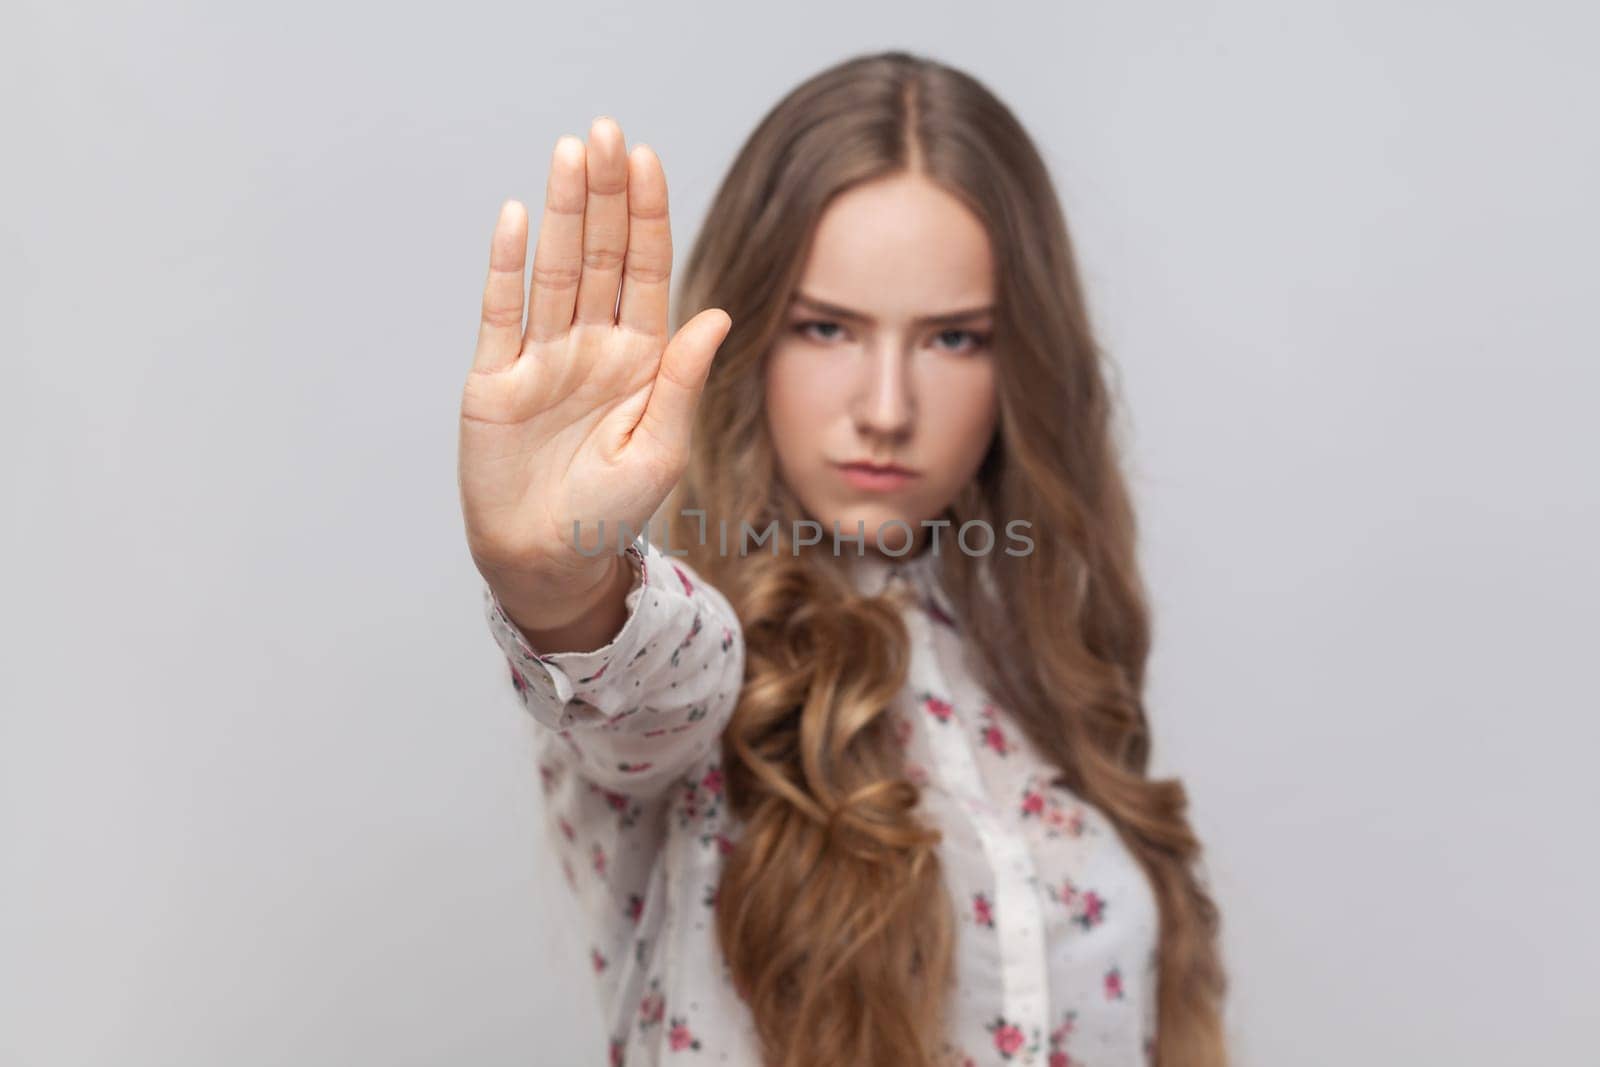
(878, 799)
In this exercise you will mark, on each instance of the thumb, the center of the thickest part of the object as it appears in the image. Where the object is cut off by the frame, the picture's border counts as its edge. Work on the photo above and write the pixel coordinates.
(685, 363)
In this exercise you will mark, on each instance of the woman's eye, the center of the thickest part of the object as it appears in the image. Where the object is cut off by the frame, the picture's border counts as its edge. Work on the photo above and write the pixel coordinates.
(806, 329)
(953, 340)
(974, 339)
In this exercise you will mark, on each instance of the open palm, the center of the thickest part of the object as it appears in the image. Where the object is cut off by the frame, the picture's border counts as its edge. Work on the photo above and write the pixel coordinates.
(583, 413)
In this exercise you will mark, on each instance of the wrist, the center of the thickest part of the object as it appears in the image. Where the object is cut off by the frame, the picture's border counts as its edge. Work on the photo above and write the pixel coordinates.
(540, 607)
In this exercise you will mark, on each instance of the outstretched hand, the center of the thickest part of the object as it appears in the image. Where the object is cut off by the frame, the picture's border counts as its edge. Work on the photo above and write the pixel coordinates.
(583, 411)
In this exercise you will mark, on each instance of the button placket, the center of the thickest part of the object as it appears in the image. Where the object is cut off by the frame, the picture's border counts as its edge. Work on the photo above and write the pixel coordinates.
(1019, 922)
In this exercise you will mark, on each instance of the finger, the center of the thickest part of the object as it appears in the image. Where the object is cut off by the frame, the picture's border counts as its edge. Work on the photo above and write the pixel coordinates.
(669, 415)
(558, 258)
(647, 267)
(605, 224)
(500, 327)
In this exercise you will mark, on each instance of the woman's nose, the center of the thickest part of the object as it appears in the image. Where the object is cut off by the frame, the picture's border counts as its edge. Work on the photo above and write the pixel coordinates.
(884, 403)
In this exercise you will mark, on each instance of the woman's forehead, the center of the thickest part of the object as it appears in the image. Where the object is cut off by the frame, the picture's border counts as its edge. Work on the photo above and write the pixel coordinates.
(899, 249)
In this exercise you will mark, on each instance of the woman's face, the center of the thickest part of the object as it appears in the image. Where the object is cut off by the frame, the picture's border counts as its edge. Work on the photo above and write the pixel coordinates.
(885, 359)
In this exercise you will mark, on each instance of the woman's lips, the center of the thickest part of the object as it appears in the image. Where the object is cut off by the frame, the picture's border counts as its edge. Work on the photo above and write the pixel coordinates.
(876, 480)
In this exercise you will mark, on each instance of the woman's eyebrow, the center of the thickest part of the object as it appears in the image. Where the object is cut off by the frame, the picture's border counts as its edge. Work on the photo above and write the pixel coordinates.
(822, 307)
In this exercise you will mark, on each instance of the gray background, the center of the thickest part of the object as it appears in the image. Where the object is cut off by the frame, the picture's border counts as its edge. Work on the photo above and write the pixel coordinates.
(265, 795)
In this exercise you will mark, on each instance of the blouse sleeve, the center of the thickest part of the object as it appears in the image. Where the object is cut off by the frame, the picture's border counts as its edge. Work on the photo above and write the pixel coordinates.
(619, 729)
(638, 712)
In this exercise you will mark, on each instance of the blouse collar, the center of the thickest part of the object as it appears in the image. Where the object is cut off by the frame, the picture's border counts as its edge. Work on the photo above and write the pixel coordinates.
(873, 573)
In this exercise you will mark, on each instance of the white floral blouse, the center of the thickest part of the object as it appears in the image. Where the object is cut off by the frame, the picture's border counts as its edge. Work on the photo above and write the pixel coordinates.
(1056, 932)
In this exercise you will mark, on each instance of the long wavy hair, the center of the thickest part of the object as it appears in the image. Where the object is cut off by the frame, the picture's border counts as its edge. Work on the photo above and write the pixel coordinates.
(832, 910)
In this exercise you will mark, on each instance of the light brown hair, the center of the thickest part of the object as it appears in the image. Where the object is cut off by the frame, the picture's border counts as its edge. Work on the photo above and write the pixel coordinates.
(832, 910)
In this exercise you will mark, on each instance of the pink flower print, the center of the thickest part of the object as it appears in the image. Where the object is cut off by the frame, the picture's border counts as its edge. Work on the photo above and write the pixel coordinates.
(1052, 813)
(1114, 984)
(598, 961)
(982, 913)
(995, 738)
(939, 709)
(688, 586)
(727, 639)
(1087, 908)
(1056, 819)
(652, 1006)
(627, 809)
(991, 717)
(1008, 1037)
(679, 1037)
(547, 778)
(566, 828)
(723, 842)
(916, 772)
(701, 797)
(616, 1053)
(1058, 1041)
(566, 869)
(598, 859)
(635, 909)
(1093, 909)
